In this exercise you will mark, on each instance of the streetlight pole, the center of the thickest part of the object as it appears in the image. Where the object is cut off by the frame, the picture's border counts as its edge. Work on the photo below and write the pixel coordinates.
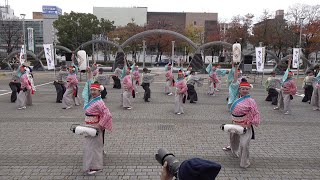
(54, 49)
(144, 52)
(24, 36)
(300, 52)
(172, 52)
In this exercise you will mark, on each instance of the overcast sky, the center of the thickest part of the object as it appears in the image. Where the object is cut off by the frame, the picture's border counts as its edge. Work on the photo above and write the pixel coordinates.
(225, 8)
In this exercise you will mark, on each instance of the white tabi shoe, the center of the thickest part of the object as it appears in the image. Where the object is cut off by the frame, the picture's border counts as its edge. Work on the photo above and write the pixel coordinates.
(315, 109)
(20, 108)
(287, 113)
(276, 108)
(170, 94)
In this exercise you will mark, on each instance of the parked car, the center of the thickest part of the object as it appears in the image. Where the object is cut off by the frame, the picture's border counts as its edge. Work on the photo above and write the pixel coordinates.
(163, 62)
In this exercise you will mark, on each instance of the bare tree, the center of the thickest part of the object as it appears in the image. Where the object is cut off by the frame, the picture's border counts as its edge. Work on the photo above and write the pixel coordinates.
(10, 34)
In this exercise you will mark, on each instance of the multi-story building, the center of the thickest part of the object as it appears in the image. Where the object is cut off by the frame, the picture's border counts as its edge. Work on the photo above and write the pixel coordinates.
(12, 31)
(42, 25)
(7, 13)
(122, 16)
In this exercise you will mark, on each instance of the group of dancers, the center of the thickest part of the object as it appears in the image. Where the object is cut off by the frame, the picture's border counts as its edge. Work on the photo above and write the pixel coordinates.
(242, 107)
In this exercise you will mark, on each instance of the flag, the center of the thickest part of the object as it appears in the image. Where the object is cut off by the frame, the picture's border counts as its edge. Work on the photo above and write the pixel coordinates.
(285, 76)
(48, 51)
(296, 57)
(260, 55)
(30, 39)
(132, 67)
(209, 68)
(22, 55)
(124, 69)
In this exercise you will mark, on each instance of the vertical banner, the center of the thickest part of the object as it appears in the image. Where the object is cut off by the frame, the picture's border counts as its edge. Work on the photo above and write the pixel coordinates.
(30, 39)
(296, 57)
(48, 51)
(22, 54)
(260, 58)
(236, 51)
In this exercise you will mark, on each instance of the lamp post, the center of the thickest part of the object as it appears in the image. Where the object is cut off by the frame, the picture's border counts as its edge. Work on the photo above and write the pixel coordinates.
(54, 48)
(172, 52)
(301, 21)
(144, 52)
(24, 36)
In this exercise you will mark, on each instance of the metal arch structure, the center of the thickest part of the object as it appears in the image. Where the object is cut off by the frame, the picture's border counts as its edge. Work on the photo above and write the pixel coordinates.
(57, 47)
(214, 43)
(158, 31)
(99, 41)
(302, 57)
(30, 53)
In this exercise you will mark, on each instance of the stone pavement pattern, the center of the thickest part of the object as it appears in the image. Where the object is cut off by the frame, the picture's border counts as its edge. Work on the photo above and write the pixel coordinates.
(36, 143)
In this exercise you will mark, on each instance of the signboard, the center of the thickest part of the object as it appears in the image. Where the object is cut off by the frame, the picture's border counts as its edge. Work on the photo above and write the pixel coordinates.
(30, 39)
(260, 58)
(53, 10)
(22, 55)
(296, 57)
(49, 53)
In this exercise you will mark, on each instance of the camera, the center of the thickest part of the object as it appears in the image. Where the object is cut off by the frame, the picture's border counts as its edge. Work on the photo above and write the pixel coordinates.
(173, 163)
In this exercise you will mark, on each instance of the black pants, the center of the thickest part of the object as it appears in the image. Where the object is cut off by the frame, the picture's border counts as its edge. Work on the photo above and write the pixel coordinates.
(117, 83)
(104, 93)
(147, 91)
(272, 96)
(60, 89)
(307, 93)
(192, 93)
(15, 88)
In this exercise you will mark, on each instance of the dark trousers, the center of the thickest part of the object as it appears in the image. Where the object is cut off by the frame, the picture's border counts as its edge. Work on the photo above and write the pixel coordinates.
(117, 83)
(15, 88)
(60, 89)
(104, 93)
(147, 91)
(307, 93)
(192, 93)
(272, 96)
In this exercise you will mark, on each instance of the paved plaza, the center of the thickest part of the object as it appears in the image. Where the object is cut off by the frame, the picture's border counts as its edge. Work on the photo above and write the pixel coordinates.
(36, 143)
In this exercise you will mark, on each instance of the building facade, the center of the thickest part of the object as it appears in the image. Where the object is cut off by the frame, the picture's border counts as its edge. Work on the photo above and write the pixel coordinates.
(122, 16)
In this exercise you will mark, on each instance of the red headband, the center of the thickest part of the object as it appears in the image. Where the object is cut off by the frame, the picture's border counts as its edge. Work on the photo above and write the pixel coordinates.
(95, 86)
(245, 84)
(290, 73)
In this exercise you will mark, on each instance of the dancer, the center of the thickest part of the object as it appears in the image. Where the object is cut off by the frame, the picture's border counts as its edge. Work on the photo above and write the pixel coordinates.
(147, 79)
(26, 88)
(71, 95)
(213, 79)
(192, 79)
(104, 80)
(127, 89)
(287, 91)
(136, 78)
(60, 83)
(116, 77)
(234, 85)
(271, 84)
(181, 92)
(169, 80)
(99, 116)
(308, 87)
(15, 83)
(246, 114)
(315, 100)
(221, 73)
